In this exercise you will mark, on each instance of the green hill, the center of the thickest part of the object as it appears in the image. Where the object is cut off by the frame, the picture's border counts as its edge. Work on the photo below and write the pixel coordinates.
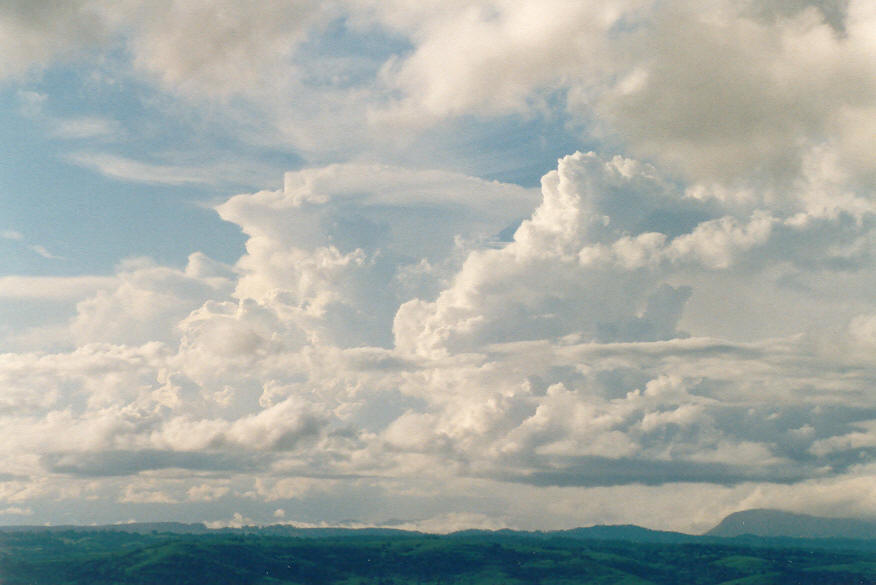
(776, 523)
(94, 557)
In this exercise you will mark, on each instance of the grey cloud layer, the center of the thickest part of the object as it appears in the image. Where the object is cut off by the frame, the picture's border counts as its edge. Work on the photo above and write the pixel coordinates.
(735, 92)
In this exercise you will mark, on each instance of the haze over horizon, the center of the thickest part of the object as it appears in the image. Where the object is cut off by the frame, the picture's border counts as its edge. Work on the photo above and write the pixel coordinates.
(437, 264)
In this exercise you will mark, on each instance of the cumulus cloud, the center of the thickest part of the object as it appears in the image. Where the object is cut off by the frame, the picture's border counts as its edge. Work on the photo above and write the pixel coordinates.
(697, 328)
(149, 301)
(717, 92)
(339, 246)
(551, 361)
(724, 94)
(452, 522)
(492, 57)
(52, 287)
(730, 93)
(550, 280)
(232, 39)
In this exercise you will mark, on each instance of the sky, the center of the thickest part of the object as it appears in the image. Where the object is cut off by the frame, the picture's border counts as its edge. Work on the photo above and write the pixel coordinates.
(437, 265)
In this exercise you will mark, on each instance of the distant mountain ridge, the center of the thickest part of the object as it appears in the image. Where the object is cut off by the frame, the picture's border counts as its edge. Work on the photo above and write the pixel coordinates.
(619, 532)
(777, 523)
(759, 524)
(626, 532)
(132, 527)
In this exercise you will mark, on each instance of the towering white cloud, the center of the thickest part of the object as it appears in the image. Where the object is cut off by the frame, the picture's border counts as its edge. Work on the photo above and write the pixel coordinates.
(149, 301)
(553, 361)
(544, 283)
(341, 246)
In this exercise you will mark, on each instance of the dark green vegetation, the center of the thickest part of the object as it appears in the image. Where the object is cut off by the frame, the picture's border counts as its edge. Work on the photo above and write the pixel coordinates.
(273, 556)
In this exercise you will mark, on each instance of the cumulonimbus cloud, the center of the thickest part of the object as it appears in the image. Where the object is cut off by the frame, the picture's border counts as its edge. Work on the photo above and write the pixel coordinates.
(555, 359)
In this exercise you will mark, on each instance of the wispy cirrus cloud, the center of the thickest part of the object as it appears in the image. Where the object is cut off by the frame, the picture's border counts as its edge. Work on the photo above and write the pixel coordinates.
(241, 172)
(44, 252)
(15, 236)
(88, 127)
(127, 169)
